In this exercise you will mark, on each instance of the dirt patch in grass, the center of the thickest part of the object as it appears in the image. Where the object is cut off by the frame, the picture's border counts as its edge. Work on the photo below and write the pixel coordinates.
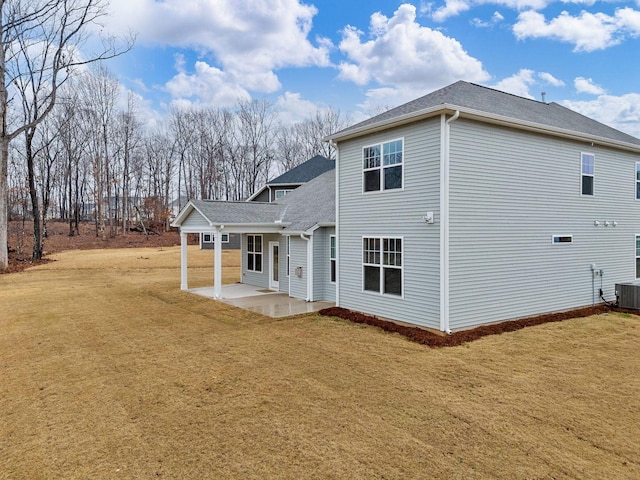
(425, 337)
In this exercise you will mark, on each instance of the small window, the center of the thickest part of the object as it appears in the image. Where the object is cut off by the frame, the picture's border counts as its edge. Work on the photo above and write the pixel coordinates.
(254, 253)
(588, 169)
(282, 193)
(637, 180)
(637, 256)
(225, 238)
(382, 166)
(332, 258)
(382, 265)
(207, 238)
(557, 239)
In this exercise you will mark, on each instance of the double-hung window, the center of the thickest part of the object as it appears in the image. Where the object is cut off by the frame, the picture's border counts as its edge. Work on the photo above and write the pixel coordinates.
(382, 166)
(382, 265)
(638, 256)
(254, 253)
(637, 180)
(588, 161)
(332, 258)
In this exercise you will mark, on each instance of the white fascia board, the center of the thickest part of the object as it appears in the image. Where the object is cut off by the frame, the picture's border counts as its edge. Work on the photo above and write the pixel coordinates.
(186, 211)
(486, 118)
(255, 194)
(238, 228)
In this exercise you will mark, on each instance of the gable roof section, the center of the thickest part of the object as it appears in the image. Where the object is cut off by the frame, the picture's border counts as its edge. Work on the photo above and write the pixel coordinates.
(298, 212)
(493, 105)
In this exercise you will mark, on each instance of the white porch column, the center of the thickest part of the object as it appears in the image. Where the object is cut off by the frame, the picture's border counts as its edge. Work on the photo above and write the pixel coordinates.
(183, 261)
(217, 263)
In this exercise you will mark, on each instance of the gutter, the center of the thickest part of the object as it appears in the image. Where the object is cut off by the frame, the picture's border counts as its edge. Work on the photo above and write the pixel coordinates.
(446, 108)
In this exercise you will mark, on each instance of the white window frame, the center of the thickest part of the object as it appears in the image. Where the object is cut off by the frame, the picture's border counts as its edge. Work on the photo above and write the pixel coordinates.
(554, 242)
(382, 167)
(583, 175)
(210, 235)
(254, 253)
(223, 238)
(382, 266)
(637, 180)
(284, 191)
(637, 255)
(333, 259)
(288, 256)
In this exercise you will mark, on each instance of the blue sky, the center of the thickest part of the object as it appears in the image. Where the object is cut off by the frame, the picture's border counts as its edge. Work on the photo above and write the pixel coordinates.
(359, 55)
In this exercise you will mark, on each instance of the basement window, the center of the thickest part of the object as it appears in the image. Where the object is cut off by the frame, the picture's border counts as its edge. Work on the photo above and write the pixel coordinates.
(558, 239)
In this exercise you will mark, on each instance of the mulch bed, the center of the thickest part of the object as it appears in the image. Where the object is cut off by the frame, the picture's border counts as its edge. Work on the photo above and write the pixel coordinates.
(435, 340)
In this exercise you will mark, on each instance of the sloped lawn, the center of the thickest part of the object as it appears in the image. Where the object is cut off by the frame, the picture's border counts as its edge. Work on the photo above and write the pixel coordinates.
(108, 370)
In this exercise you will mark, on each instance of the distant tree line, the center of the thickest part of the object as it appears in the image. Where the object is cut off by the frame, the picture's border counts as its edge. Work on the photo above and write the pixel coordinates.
(93, 159)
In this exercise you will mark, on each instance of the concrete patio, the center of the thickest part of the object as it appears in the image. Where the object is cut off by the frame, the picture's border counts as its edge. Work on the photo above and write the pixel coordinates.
(265, 302)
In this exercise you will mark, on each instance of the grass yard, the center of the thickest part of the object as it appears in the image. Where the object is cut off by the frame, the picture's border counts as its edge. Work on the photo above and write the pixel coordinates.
(108, 370)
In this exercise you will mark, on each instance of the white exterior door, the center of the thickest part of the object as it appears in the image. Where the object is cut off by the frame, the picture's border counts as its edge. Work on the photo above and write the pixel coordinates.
(274, 259)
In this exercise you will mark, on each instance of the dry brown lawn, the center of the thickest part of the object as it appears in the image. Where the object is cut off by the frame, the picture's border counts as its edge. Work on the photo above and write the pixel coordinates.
(108, 370)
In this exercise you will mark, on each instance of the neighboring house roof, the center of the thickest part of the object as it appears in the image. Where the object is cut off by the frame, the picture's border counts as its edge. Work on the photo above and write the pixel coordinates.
(492, 105)
(301, 174)
(305, 171)
(313, 204)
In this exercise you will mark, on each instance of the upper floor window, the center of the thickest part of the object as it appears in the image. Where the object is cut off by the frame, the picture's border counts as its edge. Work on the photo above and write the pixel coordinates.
(588, 168)
(638, 180)
(637, 256)
(382, 166)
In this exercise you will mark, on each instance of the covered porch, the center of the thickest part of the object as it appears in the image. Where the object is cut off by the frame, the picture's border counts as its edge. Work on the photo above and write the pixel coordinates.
(265, 302)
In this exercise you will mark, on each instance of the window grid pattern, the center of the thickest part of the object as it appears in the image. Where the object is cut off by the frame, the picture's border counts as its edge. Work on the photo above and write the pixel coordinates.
(637, 256)
(332, 258)
(254, 253)
(382, 265)
(637, 180)
(588, 173)
(382, 166)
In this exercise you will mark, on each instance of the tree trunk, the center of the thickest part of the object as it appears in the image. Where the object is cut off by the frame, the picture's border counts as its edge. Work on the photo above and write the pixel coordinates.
(33, 194)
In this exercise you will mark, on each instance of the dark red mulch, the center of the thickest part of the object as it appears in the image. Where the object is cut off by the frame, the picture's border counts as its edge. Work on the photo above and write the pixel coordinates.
(431, 339)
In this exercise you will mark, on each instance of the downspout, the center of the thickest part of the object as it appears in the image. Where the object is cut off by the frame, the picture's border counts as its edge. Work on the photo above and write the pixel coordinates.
(444, 220)
(309, 241)
(335, 145)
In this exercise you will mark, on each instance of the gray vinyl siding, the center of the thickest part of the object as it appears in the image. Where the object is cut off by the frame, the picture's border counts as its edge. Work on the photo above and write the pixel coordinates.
(298, 285)
(323, 289)
(262, 196)
(255, 278)
(510, 192)
(393, 214)
(195, 220)
(232, 244)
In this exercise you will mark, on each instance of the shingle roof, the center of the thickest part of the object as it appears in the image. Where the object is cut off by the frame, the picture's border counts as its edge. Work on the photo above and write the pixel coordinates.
(305, 171)
(238, 212)
(311, 204)
(487, 100)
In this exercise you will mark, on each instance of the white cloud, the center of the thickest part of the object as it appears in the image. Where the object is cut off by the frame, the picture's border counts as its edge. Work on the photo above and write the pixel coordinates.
(406, 56)
(550, 79)
(208, 84)
(621, 112)
(451, 8)
(496, 18)
(249, 40)
(587, 31)
(293, 108)
(586, 85)
(518, 84)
